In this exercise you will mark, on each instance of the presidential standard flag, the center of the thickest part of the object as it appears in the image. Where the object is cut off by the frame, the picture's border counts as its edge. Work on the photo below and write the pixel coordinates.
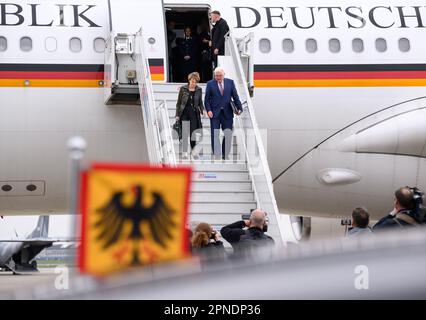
(132, 215)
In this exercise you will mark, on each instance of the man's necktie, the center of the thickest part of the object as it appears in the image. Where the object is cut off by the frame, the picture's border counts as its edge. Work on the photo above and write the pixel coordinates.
(221, 88)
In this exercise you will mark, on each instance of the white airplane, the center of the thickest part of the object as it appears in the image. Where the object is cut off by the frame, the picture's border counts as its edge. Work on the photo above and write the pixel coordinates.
(19, 245)
(339, 87)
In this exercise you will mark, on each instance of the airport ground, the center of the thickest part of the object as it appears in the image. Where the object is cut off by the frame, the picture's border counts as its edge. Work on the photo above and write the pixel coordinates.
(10, 283)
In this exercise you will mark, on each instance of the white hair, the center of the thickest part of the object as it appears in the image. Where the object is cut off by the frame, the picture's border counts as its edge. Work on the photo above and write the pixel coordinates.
(219, 69)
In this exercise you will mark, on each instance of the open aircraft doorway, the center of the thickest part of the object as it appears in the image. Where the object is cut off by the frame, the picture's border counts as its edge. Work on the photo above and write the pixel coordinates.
(193, 43)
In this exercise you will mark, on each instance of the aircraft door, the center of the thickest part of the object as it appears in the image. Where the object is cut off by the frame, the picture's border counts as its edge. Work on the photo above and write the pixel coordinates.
(128, 16)
(245, 48)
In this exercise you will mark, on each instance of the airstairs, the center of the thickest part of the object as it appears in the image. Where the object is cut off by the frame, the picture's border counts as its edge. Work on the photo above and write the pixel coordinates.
(222, 190)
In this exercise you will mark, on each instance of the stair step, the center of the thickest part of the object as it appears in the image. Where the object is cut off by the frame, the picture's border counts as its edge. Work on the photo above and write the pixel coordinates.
(205, 123)
(209, 161)
(217, 220)
(221, 196)
(206, 158)
(219, 167)
(221, 186)
(203, 145)
(220, 175)
(214, 207)
(234, 151)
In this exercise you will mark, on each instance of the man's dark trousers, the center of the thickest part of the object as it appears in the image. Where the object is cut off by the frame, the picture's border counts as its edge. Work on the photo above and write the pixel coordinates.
(226, 125)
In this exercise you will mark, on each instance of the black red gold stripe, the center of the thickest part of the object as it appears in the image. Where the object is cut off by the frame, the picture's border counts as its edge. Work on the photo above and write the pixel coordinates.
(354, 75)
(156, 68)
(63, 75)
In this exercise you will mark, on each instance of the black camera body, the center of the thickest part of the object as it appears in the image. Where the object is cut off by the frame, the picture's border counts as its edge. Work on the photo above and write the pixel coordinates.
(419, 205)
(346, 222)
(247, 217)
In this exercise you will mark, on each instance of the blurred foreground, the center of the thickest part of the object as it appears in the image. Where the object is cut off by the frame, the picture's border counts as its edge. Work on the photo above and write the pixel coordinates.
(386, 266)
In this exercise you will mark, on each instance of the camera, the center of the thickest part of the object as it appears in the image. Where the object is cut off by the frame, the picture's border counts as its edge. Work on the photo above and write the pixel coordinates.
(419, 207)
(346, 222)
(265, 226)
(213, 236)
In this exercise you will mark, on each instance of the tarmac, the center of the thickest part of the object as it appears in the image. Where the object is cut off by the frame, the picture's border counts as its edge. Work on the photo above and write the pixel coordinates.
(12, 286)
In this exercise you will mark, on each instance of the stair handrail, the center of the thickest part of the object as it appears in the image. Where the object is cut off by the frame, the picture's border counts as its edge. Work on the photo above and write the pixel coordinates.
(166, 136)
(146, 92)
(257, 164)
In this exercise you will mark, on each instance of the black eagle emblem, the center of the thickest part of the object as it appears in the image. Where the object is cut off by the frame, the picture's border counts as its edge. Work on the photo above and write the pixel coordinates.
(115, 215)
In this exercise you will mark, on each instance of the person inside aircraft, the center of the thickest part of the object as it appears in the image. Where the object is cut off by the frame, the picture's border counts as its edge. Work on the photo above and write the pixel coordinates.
(177, 57)
(403, 215)
(219, 31)
(206, 56)
(360, 221)
(189, 52)
(171, 44)
(189, 109)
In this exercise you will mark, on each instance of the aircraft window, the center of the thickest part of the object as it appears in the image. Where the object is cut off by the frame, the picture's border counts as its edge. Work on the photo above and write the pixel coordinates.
(358, 45)
(381, 45)
(6, 188)
(404, 45)
(99, 45)
(311, 45)
(26, 44)
(288, 45)
(334, 45)
(50, 44)
(75, 45)
(3, 44)
(264, 45)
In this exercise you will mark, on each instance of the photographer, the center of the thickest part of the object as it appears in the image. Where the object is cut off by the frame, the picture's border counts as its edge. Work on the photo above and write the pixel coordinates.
(404, 213)
(205, 241)
(253, 237)
(360, 221)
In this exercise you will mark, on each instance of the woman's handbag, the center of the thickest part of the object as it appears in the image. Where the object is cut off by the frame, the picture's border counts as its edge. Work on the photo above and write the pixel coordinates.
(177, 127)
(205, 56)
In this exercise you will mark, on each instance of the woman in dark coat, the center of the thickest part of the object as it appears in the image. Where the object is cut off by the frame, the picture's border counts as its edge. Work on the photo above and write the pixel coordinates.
(189, 109)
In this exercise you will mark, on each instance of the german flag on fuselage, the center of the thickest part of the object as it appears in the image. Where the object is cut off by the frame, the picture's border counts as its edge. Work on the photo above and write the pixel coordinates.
(339, 75)
(63, 75)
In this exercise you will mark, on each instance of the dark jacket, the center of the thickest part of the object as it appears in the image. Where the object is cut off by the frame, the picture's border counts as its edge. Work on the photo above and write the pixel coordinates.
(215, 101)
(183, 99)
(214, 250)
(218, 36)
(190, 47)
(241, 239)
(403, 219)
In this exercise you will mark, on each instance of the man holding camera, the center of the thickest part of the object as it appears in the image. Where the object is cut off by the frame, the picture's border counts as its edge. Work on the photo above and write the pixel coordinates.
(360, 221)
(403, 214)
(253, 237)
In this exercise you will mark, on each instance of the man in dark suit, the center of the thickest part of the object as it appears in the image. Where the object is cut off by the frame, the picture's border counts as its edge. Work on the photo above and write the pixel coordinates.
(219, 31)
(189, 52)
(218, 105)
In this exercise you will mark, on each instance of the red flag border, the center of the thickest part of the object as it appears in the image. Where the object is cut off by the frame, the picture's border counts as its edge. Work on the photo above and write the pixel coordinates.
(132, 167)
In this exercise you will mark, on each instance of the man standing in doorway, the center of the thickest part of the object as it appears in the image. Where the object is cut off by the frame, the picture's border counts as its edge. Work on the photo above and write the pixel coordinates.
(219, 31)
(219, 93)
